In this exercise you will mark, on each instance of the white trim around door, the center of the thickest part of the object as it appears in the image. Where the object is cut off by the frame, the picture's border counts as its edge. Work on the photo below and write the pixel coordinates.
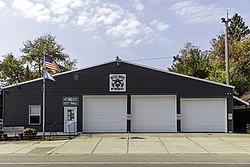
(70, 119)
(153, 113)
(104, 113)
(203, 114)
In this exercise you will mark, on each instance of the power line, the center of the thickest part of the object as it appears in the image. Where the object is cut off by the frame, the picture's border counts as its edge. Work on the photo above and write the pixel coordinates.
(155, 58)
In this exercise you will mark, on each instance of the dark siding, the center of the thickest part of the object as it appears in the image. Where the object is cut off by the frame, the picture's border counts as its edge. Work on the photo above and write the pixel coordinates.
(1, 104)
(230, 111)
(17, 101)
(95, 81)
(178, 112)
(129, 112)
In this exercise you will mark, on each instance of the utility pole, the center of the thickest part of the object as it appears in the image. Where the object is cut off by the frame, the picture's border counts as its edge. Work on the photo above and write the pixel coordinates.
(226, 21)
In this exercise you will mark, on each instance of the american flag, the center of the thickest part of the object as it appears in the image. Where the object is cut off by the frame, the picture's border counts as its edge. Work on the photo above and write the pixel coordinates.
(51, 64)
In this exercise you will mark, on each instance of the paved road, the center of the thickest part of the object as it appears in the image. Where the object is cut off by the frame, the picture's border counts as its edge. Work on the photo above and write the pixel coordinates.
(126, 160)
(157, 160)
(125, 165)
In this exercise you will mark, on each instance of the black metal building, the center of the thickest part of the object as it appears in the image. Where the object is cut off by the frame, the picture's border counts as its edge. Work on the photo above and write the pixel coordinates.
(121, 97)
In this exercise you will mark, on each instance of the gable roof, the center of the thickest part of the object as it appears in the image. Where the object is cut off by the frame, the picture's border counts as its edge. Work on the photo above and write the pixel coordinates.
(143, 66)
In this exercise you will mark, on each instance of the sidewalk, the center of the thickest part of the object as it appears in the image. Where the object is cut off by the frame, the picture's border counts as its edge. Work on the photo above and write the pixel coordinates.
(135, 143)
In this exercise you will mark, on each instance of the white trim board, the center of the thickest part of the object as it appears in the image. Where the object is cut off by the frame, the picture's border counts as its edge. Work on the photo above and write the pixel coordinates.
(204, 111)
(240, 100)
(153, 113)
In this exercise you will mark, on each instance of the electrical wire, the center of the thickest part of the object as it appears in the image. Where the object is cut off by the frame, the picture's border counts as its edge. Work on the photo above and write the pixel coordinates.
(155, 58)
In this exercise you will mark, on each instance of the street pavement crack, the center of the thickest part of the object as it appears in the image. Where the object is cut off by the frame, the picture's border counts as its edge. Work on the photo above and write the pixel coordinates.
(96, 145)
(233, 144)
(127, 144)
(163, 144)
(52, 151)
(198, 145)
(23, 148)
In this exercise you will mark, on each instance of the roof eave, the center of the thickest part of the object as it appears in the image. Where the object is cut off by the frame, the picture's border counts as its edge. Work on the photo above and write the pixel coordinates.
(240, 100)
(182, 75)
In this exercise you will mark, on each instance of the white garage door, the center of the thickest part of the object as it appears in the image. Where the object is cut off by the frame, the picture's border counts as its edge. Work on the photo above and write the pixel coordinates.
(105, 114)
(203, 115)
(153, 113)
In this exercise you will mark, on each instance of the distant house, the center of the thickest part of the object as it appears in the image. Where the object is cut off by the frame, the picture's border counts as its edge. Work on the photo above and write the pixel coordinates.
(241, 112)
(121, 97)
(246, 96)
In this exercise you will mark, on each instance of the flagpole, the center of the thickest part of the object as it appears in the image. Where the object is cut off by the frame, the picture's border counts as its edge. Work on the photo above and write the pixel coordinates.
(43, 99)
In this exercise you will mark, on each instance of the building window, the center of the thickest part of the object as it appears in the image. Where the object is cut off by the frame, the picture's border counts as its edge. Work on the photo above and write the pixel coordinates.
(70, 115)
(35, 115)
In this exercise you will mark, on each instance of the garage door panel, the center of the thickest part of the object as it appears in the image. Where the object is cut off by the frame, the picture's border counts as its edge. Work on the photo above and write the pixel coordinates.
(153, 113)
(105, 114)
(203, 115)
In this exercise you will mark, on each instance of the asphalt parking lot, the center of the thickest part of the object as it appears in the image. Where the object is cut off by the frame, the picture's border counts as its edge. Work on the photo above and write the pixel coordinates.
(135, 143)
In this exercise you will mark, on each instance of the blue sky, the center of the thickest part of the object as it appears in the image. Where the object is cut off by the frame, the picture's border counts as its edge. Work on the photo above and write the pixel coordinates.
(95, 31)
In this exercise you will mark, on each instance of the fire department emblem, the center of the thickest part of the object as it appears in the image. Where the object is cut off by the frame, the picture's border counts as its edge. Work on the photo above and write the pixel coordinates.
(117, 82)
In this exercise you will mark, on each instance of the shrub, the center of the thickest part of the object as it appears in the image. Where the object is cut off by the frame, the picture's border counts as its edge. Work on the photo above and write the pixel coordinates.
(248, 128)
(29, 131)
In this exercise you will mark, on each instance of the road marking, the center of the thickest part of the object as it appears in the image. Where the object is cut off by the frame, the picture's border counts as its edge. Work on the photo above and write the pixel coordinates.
(125, 163)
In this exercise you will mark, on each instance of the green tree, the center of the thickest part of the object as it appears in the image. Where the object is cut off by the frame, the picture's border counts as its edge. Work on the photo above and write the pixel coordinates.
(191, 61)
(12, 70)
(237, 28)
(245, 43)
(211, 65)
(29, 66)
(239, 59)
(35, 50)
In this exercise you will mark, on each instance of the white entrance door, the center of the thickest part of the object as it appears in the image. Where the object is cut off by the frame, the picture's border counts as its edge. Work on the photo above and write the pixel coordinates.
(70, 119)
(105, 113)
(203, 115)
(153, 113)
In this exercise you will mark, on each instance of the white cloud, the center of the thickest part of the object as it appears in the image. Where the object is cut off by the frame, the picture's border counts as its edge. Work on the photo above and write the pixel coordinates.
(138, 5)
(115, 23)
(2, 4)
(192, 12)
(59, 7)
(108, 21)
(77, 4)
(159, 25)
(22, 5)
(54, 11)
(3, 8)
(31, 10)
(127, 28)
(93, 18)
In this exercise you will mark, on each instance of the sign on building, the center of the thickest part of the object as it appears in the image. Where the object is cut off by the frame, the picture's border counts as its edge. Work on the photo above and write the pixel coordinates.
(70, 101)
(117, 82)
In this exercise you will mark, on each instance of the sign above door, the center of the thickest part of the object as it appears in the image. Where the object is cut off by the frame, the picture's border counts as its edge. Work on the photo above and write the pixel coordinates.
(117, 82)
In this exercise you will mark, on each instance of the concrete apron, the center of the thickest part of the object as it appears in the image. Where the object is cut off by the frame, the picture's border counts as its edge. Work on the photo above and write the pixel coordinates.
(136, 143)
